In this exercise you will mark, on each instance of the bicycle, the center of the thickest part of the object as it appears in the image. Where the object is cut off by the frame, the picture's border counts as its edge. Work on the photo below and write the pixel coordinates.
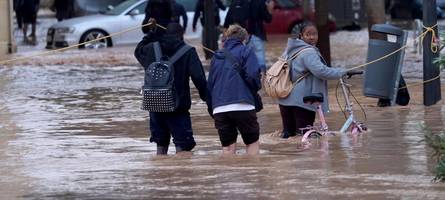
(351, 123)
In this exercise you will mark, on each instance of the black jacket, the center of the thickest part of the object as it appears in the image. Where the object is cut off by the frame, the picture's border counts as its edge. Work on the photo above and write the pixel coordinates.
(31, 6)
(188, 66)
(179, 11)
(64, 9)
(18, 4)
(160, 10)
(257, 16)
(199, 12)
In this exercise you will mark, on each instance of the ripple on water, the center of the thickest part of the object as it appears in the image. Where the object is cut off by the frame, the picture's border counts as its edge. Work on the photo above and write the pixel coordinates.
(80, 134)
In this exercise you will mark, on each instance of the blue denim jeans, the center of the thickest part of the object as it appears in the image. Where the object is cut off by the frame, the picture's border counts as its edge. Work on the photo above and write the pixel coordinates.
(258, 45)
(178, 125)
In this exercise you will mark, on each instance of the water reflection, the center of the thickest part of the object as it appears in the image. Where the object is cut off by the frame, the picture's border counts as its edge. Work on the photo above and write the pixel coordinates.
(78, 133)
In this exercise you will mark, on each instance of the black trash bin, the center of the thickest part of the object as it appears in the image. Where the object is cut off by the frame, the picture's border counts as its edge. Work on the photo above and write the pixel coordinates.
(381, 79)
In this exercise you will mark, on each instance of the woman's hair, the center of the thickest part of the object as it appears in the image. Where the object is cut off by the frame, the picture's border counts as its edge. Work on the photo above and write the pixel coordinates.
(300, 28)
(236, 32)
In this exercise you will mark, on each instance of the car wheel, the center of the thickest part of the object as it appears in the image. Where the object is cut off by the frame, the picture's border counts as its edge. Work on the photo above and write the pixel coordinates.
(93, 35)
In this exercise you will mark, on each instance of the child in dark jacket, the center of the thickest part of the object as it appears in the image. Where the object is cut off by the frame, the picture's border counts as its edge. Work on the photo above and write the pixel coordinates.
(178, 124)
(230, 100)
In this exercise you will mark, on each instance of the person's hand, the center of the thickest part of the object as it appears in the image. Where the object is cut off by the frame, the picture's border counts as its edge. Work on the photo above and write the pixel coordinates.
(270, 4)
(152, 22)
(210, 111)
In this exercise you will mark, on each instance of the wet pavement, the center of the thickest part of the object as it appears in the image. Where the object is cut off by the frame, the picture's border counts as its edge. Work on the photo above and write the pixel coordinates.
(76, 132)
(71, 128)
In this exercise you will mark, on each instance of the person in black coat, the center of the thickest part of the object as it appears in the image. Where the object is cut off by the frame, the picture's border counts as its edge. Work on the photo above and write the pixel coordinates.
(64, 9)
(260, 12)
(177, 123)
(29, 10)
(18, 4)
(161, 11)
(199, 13)
(179, 11)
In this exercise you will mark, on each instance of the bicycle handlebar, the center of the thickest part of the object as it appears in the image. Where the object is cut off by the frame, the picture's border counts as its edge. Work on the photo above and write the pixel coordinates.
(352, 73)
(349, 74)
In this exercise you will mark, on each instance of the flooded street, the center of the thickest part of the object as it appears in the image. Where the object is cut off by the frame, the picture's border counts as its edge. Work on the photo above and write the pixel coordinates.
(72, 129)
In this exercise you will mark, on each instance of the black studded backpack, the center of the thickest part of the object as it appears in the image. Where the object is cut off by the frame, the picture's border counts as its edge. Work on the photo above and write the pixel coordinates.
(158, 90)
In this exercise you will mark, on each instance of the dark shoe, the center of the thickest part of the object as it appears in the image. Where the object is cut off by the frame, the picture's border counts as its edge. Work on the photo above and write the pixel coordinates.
(286, 134)
(384, 103)
(183, 152)
(161, 150)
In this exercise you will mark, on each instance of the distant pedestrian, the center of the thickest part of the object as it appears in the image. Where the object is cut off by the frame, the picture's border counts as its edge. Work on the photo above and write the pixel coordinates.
(64, 9)
(18, 6)
(178, 12)
(173, 52)
(199, 14)
(234, 80)
(296, 114)
(161, 11)
(30, 9)
(257, 13)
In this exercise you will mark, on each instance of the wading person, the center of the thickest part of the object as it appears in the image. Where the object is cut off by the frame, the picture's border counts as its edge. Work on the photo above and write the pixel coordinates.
(18, 5)
(29, 12)
(294, 113)
(234, 79)
(162, 57)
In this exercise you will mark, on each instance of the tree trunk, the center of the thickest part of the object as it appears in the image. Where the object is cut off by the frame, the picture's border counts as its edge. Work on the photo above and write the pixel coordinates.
(376, 15)
(209, 30)
(321, 13)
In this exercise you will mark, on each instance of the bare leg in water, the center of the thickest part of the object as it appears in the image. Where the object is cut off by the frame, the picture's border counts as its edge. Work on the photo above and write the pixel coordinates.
(251, 149)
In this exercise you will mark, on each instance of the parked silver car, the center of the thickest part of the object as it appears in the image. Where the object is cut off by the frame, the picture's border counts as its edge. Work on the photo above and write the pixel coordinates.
(83, 29)
(128, 14)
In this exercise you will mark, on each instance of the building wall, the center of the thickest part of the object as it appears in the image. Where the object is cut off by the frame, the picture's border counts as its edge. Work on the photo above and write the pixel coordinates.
(6, 39)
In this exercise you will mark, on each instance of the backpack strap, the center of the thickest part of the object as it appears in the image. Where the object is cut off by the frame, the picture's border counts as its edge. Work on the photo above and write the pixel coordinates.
(179, 53)
(296, 54)
(158, 51)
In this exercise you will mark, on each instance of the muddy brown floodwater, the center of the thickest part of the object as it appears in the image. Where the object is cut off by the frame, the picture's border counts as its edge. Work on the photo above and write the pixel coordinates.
(76, 132)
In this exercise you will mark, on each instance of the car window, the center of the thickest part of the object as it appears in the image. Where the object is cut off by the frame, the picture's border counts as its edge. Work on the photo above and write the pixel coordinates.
(189, 5)
(122, 7)
(141, 8)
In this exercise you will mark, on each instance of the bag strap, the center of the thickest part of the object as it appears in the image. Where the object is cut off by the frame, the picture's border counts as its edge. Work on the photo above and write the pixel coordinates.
(296, 54)
(301, 78)
(179, 53)
(158, 51)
